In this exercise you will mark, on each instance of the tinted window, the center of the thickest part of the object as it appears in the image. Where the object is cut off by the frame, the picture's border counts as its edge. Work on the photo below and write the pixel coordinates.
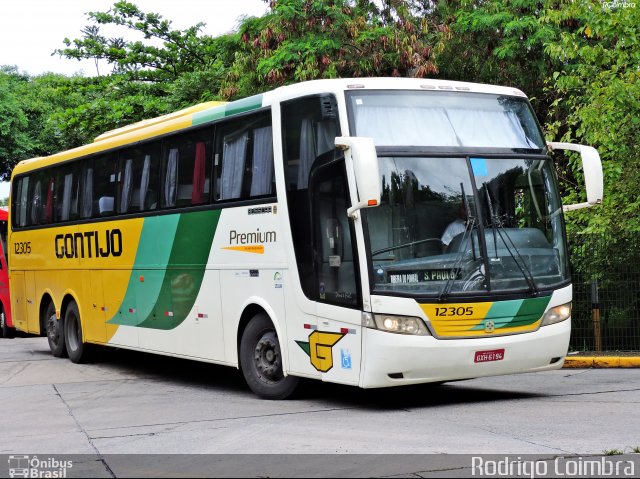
(309, 128)
(186, 169)
(66, 188)
(100, 185)
(244, 159)
(138, 178)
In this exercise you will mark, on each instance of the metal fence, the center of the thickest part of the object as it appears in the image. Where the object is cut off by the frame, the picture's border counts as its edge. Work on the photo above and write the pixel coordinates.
(606, 292)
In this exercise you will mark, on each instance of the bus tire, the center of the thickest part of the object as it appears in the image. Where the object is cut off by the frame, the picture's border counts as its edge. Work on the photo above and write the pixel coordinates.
(5, 330)
(77, 349)
(261, 360)
(54, 328)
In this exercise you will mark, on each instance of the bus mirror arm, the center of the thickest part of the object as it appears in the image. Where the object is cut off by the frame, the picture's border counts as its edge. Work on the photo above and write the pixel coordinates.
(593, 176)
(362, 159)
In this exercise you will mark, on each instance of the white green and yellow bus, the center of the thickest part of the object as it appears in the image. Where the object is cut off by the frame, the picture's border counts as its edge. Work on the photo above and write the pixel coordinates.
(372, 232)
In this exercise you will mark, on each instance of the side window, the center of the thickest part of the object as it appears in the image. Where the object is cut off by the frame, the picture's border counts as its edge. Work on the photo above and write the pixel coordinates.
(186, 169)
(66, 188)
(3, 239)
(309, 128)
(19, 204)
(35, 199)
(244, 158)
(100, 186)
(138, 178)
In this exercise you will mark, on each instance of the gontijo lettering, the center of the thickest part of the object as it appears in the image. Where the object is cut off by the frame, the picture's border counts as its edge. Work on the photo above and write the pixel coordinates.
(90, 244)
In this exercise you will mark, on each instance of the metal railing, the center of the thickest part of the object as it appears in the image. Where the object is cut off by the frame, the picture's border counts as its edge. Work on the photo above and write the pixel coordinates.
(606, 292)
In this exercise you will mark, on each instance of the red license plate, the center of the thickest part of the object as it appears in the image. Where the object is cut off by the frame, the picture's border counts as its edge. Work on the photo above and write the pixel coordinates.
(486, 356)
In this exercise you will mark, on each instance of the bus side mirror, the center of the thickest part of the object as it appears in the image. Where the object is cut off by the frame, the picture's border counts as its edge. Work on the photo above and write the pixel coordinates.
(361, 152)
(593, 177)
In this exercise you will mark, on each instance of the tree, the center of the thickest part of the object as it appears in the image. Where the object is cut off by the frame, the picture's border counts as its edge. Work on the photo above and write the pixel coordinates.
(302, 40)
(597, 102)
(182, 66)
(498, 42)
(15, 143)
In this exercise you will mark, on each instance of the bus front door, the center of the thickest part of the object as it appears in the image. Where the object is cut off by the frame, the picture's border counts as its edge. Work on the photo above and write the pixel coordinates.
(339, 339)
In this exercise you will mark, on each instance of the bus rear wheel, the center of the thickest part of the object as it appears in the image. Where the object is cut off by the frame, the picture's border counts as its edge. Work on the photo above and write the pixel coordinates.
(55, 331)
(77, 350)
(261, 360)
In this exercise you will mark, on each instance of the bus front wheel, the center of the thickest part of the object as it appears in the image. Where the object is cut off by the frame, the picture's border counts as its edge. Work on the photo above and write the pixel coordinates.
(261, 360)
(77, 350)
(55, 331)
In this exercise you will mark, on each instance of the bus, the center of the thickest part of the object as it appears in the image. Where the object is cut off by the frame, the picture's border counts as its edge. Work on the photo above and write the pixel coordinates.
(6, 329)
(300, 233)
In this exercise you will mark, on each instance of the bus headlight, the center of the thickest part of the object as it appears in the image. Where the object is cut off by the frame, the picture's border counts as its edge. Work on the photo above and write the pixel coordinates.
(556, 314)
(395, 324)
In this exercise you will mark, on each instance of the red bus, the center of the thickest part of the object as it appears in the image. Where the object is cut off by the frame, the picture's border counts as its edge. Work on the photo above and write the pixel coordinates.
(6, 325)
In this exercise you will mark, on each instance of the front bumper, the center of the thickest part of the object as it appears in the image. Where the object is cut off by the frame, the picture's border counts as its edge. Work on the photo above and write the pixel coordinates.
(395, 359)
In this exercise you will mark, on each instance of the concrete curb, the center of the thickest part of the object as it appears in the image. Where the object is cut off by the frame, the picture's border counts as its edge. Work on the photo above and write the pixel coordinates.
(602, 362)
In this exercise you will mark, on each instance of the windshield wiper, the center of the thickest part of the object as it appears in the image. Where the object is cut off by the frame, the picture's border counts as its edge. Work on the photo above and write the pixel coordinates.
(468, 228)
(497, 226)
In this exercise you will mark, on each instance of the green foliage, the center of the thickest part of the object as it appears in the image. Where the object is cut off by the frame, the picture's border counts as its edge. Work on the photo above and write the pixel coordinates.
(179, 51)
(14, 136)
(597, 92)
(302, 40)
(499, 42)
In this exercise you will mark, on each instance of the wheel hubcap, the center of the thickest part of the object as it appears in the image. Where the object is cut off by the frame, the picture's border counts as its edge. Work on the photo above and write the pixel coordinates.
(267, 359)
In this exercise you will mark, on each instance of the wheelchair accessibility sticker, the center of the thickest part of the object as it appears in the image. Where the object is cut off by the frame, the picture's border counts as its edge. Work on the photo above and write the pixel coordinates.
(345, 354)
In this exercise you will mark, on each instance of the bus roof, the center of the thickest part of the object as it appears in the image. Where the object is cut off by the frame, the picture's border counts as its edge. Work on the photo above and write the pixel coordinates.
(206, 112)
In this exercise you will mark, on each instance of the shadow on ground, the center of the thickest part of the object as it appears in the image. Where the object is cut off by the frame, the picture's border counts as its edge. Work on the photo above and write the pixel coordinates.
(229, 380)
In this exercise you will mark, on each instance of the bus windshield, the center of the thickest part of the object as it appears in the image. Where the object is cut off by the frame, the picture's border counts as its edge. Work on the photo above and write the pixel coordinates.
(444, 119)
(466, 225)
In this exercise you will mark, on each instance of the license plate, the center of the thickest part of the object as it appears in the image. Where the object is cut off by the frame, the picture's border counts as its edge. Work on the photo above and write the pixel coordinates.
(486, 356)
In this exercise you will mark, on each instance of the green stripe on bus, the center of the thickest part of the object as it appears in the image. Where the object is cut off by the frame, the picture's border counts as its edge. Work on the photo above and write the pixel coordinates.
(246, 104)
(501, 313)
(531, 311)
(208, 115)
(515, 313)
(154, 250)
(228, 109)
(185, 270)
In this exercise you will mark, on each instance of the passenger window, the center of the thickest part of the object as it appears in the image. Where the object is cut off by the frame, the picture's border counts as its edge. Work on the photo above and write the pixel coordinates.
(186, 169)
(100, 186)
(244, 159)
(138, 178)
(20, 202)
(66, 192)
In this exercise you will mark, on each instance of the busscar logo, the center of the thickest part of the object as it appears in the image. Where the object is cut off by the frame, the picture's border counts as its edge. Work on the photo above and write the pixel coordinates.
(27, 466)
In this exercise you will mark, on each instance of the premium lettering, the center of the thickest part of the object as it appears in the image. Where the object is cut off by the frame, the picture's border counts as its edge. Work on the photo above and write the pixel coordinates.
(258, 236)
(90, 244)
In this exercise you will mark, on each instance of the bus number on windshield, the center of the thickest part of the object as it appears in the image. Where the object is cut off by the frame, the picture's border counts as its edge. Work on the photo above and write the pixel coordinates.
(453, 311)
